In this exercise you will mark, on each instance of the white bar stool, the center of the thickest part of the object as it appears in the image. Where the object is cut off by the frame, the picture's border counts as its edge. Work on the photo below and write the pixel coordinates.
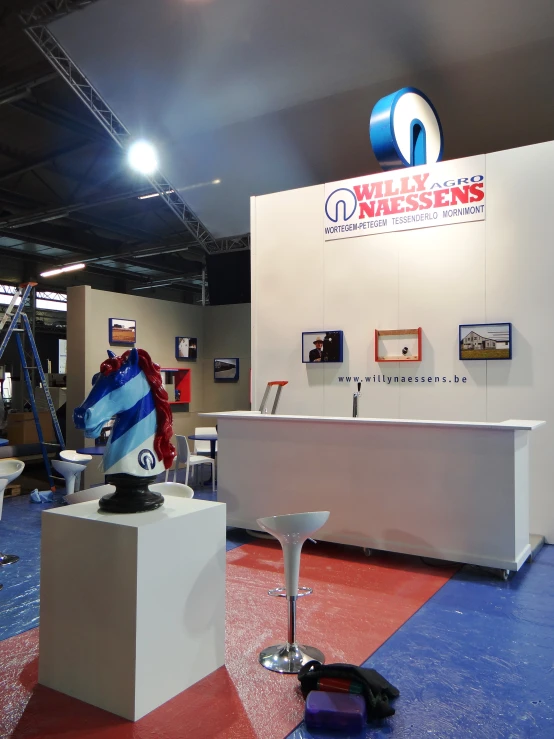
(69, 471)
(5, 559)
(70, 455)
(291, 531)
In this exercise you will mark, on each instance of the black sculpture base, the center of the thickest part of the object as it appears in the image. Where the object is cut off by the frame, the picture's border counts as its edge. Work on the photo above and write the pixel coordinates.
(131, 495)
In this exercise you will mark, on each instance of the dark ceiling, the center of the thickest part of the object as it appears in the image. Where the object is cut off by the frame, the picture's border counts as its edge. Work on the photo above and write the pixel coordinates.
(67, 194)
(262, 95)
(271, 95)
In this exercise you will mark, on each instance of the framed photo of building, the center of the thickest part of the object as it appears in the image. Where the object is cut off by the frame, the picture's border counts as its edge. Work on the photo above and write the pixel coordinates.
(226, 370)
(186, 347)
(319, 347)
(485, 341)
(123, 331)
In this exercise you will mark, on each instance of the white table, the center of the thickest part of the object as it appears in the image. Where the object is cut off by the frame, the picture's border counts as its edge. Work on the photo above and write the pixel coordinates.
(132, 608)
(444, 489)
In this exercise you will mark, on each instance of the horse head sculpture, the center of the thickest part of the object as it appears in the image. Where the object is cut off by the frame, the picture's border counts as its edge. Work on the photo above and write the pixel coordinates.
(130, 389)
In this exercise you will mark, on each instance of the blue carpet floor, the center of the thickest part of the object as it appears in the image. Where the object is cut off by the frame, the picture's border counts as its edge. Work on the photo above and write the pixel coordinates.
(476, 662)
(20, 534)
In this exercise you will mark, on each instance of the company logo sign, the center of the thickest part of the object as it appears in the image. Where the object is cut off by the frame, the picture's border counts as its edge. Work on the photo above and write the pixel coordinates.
(405, 130)
(446, 193)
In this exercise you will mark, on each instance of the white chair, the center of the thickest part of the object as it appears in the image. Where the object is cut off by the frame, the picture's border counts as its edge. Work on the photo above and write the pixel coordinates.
(291, 531)
(184, 457)
(172, 489)
(5, 559)
(70, 455)
(204, 447)
(69, 471)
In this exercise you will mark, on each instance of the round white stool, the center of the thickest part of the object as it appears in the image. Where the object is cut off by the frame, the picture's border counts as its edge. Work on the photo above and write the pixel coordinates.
(69, 471)
(70, 455)
(173, 489)
(5, 559)
(291, 531)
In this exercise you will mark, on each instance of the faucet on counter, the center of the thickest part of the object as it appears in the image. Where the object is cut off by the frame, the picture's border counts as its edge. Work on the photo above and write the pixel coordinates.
(356, 396)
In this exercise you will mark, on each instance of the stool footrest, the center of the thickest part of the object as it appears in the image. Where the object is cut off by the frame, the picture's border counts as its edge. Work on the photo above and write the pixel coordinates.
(282, 592)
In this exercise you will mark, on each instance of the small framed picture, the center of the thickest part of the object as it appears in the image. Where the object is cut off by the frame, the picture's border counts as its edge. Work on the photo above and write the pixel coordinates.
(485, 341)
(319, 347)
(123, 331)
(186, 347)
(226, 370)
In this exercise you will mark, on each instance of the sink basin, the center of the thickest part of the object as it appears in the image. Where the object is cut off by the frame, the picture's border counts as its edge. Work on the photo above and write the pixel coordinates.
(10, 469)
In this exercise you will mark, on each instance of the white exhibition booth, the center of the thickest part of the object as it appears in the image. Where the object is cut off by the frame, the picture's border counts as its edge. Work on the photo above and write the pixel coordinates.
(495, 267)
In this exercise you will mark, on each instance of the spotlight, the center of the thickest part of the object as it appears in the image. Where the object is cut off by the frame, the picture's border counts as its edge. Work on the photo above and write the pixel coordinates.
(142, 157)
(69, 268)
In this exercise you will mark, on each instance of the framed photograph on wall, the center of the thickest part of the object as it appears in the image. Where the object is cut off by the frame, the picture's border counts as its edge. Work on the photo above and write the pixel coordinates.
(123, 331)
(319, 347)
(186, 347)
(485, 341)
(226, 370)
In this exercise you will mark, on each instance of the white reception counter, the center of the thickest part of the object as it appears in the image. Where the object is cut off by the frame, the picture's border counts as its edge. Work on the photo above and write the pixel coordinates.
(445, 489)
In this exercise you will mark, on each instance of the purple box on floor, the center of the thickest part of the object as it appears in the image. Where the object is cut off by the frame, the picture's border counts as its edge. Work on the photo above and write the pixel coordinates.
(335, 711)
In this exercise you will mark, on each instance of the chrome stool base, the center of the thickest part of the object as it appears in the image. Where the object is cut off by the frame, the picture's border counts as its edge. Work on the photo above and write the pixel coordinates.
(289, 658)
(8, 559)
(282, 592)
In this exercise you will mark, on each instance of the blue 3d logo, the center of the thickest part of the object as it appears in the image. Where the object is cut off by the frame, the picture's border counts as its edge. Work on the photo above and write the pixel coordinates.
(405, 130)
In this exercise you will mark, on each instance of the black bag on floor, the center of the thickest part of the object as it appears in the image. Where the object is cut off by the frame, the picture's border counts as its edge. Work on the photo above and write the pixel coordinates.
(376, 690)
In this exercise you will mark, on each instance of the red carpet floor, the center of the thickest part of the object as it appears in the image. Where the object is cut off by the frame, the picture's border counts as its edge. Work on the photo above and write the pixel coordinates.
(357, 604)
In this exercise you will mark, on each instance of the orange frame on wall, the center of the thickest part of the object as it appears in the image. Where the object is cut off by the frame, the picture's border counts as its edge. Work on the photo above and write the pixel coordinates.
(396, 333)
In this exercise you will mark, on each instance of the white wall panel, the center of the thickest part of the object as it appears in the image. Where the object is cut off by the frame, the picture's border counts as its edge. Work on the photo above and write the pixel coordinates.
(442, 284)
(520, 266)
(437, 278)
(287, 294)
(361, 287)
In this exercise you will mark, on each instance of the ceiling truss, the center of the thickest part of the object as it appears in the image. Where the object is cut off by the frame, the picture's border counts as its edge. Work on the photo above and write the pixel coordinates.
(35, 21)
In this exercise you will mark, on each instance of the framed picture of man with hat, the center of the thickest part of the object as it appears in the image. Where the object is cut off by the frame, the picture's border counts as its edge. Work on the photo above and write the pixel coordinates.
(319, 347)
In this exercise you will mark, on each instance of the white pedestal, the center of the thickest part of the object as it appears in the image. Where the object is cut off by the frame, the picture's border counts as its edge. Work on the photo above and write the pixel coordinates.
(132, 608)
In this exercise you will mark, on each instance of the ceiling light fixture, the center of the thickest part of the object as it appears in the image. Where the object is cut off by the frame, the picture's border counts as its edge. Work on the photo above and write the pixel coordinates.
(59, 270)
(142, 157)
(154, 195)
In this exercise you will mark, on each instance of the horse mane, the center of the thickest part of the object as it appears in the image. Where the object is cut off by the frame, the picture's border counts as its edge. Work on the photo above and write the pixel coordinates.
(163, 447)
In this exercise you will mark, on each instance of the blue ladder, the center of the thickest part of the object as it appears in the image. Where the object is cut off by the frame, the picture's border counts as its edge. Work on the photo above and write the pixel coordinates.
(20, 317)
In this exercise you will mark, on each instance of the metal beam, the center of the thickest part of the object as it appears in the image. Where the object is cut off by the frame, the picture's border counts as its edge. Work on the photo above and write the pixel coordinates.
(38, 163)
(144, 242)
(60, 60)
(234, 243)
(62, 211)
(50, 10)
(18, 90)
(59, 118)
(53, 241)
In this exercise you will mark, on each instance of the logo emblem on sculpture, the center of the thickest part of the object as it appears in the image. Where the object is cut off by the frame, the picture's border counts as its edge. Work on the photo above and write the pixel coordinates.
(146, 459)
(405, 130)
(130, 389)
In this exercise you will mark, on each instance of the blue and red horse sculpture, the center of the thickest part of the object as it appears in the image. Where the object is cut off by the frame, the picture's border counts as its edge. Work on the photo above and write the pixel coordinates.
(139, 448)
